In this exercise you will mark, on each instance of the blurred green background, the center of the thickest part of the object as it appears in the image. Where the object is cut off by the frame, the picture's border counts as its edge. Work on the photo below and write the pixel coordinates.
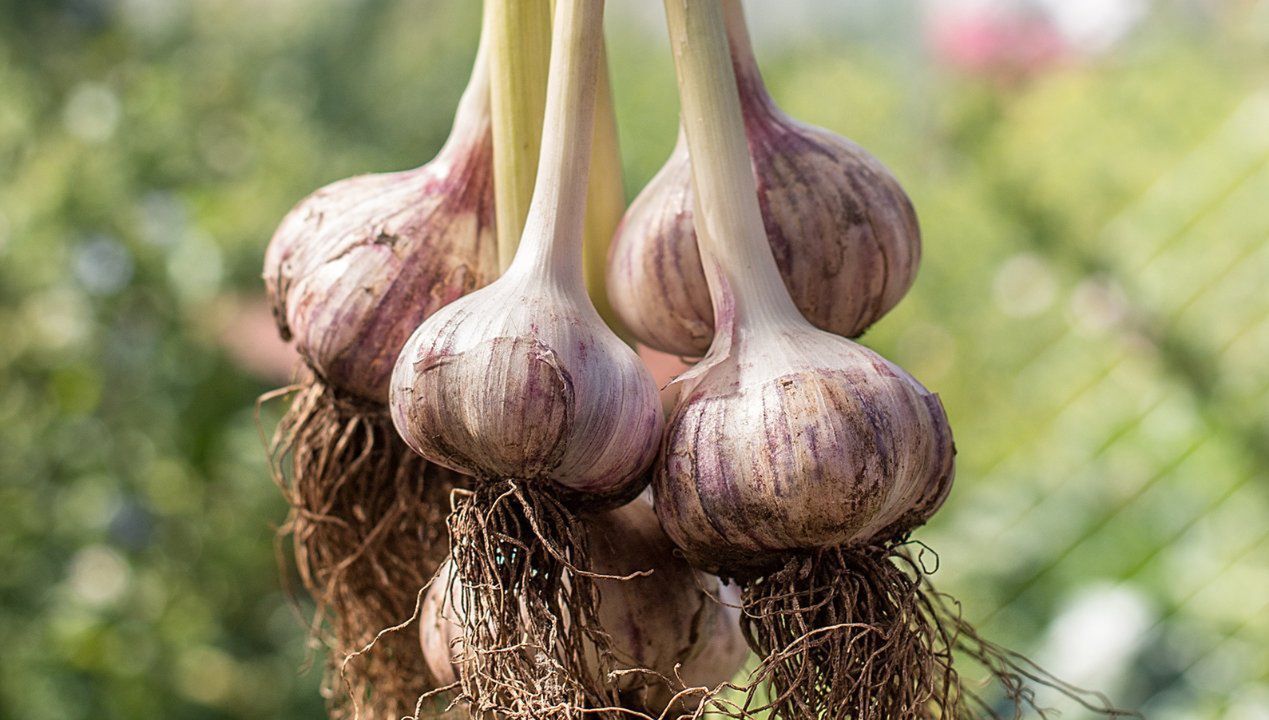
(1093, 182)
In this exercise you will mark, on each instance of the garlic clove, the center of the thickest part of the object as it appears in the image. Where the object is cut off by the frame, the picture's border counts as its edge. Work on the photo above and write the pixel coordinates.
(799, 440)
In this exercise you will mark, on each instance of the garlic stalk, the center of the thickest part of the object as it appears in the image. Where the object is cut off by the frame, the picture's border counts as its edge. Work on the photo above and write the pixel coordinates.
(844, 234)
(522, 385)
(520, 55)
(798, 462)
(605, 201)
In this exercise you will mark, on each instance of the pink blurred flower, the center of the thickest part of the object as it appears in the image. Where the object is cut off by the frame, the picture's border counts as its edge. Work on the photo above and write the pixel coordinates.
(996, 42)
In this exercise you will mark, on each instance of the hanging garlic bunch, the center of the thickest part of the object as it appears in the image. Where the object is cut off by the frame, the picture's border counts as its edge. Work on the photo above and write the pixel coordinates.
(351, 271)
(797, 461)
(523, 386)
(672, 640)
(843, 232)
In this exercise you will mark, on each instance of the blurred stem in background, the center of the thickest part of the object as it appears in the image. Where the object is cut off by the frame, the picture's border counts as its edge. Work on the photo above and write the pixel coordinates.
(605, 199)
(521, 54)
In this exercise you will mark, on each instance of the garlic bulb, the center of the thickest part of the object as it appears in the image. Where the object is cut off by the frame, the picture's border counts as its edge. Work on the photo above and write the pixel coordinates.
(522, 379)
(357, 265)
(843, 232)
(658, 622)
(796, 439)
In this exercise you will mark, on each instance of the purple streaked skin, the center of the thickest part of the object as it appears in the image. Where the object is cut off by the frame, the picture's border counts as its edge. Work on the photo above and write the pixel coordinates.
(522, 379)
(844, 234)
(656, 621)
(817, 442)
(359, 264)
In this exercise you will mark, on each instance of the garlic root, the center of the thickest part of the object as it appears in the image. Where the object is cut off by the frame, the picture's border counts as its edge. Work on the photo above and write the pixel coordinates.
(367, 532)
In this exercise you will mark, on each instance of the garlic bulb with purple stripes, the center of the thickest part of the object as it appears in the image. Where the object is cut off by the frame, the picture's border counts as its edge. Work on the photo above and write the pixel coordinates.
(843, 232)
(356, 266)
(796, 440)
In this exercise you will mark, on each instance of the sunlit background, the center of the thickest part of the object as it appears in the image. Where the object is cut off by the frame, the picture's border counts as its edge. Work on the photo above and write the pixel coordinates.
(1092, 177)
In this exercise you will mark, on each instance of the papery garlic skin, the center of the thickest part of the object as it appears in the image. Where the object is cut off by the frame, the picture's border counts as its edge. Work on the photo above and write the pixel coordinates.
(844, 234)
(666, 619)
(797, 440)
(356, 266)
(523, 380)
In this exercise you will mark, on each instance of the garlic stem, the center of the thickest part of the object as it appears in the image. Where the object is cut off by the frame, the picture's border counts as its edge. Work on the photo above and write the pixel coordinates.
(741, 270)
(552, 242)
(471, 117)
(605, 200)
(521, 49)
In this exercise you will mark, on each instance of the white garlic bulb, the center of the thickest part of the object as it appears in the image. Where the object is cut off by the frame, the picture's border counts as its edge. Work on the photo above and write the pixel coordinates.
(522, 379)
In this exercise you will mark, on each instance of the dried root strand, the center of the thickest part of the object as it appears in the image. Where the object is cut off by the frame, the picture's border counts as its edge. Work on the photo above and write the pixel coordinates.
(533, 646)
(367, 530)
(860, 634)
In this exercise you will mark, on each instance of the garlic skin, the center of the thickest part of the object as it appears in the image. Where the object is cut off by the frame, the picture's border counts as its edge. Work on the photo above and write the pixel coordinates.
(356, 266)
(796, 439)
(522, 379)
(844, 234)
(657, 622)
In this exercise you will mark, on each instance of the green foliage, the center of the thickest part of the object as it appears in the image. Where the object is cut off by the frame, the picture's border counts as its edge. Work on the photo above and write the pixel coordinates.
(1091, 307)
